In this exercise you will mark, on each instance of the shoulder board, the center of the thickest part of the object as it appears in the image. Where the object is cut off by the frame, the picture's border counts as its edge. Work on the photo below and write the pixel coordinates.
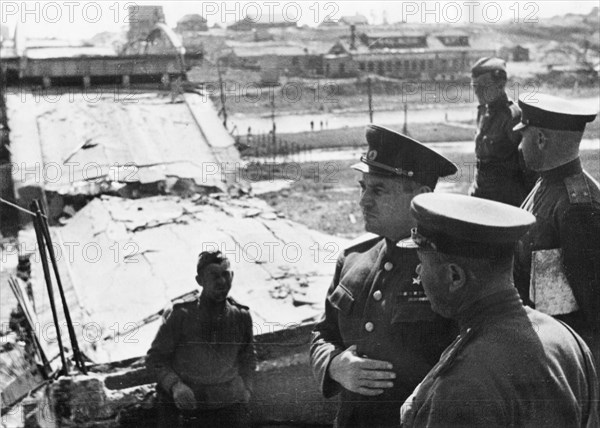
(578, 189)
(232, 301)
(514, 109)
(448, 358)
(189, 297)
(367, 238)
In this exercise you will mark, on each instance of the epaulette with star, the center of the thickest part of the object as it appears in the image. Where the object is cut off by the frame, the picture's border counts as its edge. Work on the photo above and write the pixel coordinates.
(578, 189)
(448, 358)
(189, 297)
(234, 302)
(515, 111)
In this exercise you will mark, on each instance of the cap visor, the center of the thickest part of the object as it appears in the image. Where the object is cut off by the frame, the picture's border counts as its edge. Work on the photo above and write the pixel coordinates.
(519, 126)
(362, 167)
(407, 243)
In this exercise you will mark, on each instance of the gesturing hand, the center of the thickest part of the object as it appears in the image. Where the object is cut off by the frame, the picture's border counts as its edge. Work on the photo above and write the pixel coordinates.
(361, 375)
(183, 396)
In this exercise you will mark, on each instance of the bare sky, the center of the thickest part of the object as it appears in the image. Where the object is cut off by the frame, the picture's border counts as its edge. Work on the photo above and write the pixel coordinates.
(80, 19)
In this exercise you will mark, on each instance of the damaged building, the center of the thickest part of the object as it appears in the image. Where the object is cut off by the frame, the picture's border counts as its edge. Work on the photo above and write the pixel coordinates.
(134, 186)
(404, 54)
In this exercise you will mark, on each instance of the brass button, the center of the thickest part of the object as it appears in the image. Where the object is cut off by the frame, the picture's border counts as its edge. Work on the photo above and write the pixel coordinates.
(369, 326)
(388, 266)
(377, 295)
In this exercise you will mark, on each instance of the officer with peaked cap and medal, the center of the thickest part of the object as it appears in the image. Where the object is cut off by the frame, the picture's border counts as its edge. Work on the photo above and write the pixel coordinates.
(557, 266)
(378, 336)
(510, 365)
(500, 174)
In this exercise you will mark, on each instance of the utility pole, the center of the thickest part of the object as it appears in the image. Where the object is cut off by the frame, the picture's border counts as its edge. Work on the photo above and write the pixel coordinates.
(223, 98)
(405, 127)
(3, 117)
(273, 137)
(370, 100)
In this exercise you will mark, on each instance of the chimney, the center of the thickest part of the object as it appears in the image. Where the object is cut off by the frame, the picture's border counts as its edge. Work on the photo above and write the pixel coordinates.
(353, 37)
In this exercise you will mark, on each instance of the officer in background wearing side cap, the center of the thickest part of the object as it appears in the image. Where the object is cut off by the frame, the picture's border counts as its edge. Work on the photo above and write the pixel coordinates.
(557, 266)
(379, 337)
(510, 365)
(500, 174)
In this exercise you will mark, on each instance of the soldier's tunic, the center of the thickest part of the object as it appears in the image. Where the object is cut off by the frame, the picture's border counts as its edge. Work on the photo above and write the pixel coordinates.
(566, 204)
(500, 174)
(510, 366)
(209, 348)
(376, 303)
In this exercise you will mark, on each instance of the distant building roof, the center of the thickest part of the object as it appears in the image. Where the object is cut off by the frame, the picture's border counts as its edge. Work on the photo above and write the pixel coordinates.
(427, 42)
(263, 20)
(278, 48)
(357, 19)
(137, 134)
(192, 17)
(393, 33)
(52, 43)
(68, 52)
(450, 33)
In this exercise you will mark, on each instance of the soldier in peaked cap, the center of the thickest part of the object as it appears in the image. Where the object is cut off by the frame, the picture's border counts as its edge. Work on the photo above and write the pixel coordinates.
(378, 336)
(557, 266)
(500, 174)
(510, 365)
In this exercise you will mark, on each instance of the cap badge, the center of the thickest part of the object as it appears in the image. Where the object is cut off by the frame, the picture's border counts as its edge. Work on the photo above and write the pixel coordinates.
(372, 155)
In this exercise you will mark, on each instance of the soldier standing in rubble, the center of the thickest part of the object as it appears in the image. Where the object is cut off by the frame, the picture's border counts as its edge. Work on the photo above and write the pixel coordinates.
(203, 355)
(379, 337)
(500, 174)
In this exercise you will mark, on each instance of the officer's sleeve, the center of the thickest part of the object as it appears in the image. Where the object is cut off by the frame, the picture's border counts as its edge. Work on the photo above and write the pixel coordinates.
(160, 354)
(247, 355)
(327, 342)
(515, 117)
(579, 232)
(461, 402)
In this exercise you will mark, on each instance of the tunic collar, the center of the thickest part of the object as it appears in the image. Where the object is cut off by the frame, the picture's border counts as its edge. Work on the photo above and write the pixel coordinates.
(497, 305)
(389, 245)
(498, 103)
(391, 248)
(563, 171)
(210, 306)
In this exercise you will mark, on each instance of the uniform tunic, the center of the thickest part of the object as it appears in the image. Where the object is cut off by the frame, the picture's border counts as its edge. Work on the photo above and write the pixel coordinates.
(566, 204)
(376, 302)
(510, 366)
(209, 348)
(500, 170)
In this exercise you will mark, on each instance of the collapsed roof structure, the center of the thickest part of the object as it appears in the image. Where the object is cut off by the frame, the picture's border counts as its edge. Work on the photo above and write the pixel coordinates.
(153, 174)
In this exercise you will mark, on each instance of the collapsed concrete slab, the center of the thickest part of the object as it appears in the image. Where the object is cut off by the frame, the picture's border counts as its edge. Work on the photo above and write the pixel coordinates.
(122, 260)
(90, 143)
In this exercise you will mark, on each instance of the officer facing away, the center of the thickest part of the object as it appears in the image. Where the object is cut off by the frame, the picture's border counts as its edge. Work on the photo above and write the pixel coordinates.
(203, 354)
(510, 365)
(379, 337)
